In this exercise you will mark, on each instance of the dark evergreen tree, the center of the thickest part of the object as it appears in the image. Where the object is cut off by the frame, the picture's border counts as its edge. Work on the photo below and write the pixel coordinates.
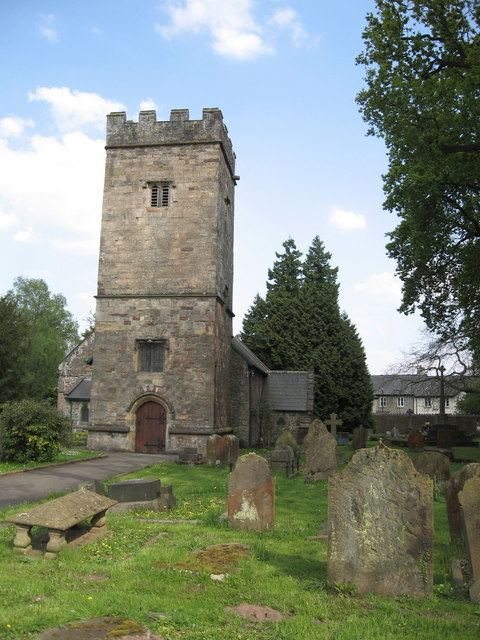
(13, 350)
(299, 326)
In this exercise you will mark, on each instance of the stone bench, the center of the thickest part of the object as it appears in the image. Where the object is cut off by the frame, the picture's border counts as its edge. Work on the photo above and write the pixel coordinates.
(59, 517)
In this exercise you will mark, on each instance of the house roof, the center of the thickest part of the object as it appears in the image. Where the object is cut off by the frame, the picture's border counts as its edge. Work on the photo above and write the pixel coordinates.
(249, 357)
(81, 391)
(290, 391)
(414, 385)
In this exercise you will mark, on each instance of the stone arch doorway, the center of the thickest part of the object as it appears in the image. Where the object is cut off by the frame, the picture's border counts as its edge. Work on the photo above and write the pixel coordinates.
(150, 427)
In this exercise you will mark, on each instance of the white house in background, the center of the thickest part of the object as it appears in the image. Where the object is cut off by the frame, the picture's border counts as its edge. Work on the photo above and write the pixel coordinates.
(414, 394)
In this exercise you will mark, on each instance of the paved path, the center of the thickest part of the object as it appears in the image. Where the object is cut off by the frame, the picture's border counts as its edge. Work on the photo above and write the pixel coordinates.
(29, 486)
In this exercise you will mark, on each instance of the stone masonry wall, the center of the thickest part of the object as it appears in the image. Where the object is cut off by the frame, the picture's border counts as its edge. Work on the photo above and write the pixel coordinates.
(72, 370)
(239, 398)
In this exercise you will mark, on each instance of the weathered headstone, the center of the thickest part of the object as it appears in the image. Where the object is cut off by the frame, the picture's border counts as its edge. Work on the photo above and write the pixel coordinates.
(452, 489)
(469, 498)
(320, 452)
(251, 494)
(287, 438)
(415, 440)
(360, 438)
(332, 423)
(433, 464)
(282, 458)
(222, 451)
(189, 455)
(380, 524)
(141, 493)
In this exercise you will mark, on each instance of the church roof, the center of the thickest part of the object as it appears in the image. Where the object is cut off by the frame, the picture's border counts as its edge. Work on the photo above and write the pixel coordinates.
(249, 357)
(290, 390)
(81, 391)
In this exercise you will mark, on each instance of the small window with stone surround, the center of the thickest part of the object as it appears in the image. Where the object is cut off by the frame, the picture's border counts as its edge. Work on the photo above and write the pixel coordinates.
(151, 354)
(160, 194)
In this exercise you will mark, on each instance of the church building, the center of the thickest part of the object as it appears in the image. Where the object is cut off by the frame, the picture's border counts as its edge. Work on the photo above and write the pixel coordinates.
(162, 370)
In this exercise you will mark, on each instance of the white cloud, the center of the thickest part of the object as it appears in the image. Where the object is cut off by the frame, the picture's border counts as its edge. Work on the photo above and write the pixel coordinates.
(13, 126)
(47, 27)
(234, 31)
(73, 110)
(7, 220)
(381, 285)
(25, 235)
(147, 105)
(287, 19)
(347, 220)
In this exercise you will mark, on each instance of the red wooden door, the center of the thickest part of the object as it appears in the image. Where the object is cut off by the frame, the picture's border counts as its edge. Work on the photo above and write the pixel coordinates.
(150, 428)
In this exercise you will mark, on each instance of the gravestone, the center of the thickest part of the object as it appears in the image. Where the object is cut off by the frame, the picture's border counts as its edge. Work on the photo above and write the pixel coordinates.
(189, 455)
(332, 423)
(452, 489)
(433, 464)
(380, 524)
(282, 458)
(141, 493)
(360, 438)
(287, 438)
(415, 440)
(222, 451)
(469, 498)
(251, 494)
(320, 452)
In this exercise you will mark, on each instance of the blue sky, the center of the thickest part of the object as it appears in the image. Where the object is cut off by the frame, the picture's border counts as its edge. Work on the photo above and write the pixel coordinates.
(284, 75)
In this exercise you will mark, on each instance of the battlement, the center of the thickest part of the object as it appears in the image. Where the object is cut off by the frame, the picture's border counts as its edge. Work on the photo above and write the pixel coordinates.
(149, 131)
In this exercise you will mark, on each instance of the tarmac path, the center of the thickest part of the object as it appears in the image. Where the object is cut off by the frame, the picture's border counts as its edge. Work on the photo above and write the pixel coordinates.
(29, 486)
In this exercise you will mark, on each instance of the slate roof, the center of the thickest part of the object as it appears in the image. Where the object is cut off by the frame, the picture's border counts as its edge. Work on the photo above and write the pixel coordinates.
(414, 385)
(249, 357)
(290, 391)
(81, 391)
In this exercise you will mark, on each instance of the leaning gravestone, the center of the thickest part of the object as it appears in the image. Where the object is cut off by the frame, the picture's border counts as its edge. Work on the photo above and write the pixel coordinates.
(222, 451)
(452, 489)
(360, 438)
(433, 464)
(380, 525)
(469, 499)
(251, 494)
(320, 452)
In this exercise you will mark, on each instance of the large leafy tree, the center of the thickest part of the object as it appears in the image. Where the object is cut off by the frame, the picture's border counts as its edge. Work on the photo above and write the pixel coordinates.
(422, 96)
(51, 331)
(14, 340)
(299, 326)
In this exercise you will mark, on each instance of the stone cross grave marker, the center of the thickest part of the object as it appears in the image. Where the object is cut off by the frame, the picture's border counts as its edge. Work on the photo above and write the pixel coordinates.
(320, 452)
(452, 489)
(469, 498)
(251, 494)
(380, 524)
(333, 422)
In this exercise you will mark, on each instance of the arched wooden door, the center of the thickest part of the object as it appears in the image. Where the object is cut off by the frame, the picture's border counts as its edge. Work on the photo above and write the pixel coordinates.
(151, 426)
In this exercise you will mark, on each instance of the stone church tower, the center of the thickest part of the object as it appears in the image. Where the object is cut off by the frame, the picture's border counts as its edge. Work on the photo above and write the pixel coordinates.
(161, 358)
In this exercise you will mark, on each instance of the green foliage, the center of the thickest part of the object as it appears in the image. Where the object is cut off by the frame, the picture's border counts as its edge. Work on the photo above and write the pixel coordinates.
(422, 97)
(31, 430)
(299, 327)
(51, 332)
(469, 404)
(13, 349)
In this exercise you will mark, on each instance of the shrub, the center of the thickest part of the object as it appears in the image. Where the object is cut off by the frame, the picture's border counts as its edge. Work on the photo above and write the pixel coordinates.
(31, 430)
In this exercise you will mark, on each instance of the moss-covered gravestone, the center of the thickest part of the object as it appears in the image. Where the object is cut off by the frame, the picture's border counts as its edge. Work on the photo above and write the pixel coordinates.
(452, 489)
(380, 525)
(469, 498)
(251, 494)
(320, 452)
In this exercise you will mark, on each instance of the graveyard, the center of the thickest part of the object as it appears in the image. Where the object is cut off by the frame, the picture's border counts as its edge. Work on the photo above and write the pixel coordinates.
(186, 573)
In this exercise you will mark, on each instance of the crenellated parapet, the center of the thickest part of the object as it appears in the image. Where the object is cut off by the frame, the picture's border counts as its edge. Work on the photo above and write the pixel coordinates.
(150, 132)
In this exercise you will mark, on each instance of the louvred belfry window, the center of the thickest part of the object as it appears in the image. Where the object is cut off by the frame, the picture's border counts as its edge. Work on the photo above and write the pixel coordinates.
(160, 195)
(154, 197)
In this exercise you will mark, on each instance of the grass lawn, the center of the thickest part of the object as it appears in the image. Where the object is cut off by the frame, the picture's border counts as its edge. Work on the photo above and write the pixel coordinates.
(146, 576)
(65, 455)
